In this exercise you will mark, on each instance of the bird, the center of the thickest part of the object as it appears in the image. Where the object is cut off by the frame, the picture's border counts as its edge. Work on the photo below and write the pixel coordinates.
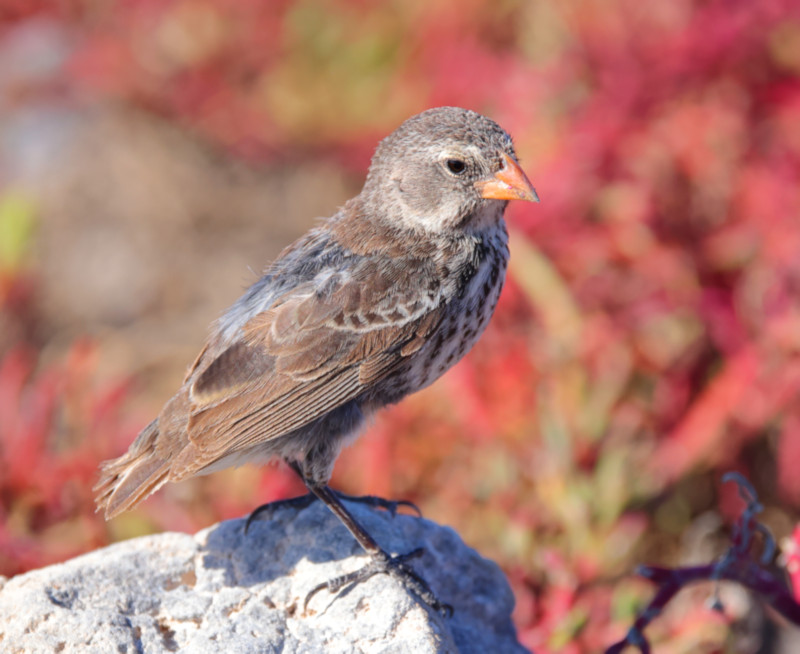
(373, 303)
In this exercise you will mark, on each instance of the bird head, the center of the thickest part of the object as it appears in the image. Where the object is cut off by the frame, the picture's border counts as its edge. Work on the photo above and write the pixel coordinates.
(445, 169)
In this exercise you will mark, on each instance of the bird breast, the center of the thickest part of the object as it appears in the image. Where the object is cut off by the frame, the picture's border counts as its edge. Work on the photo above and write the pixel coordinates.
(467, 314)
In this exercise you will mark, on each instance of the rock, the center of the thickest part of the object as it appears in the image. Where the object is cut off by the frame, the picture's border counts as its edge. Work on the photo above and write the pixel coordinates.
(224, 591)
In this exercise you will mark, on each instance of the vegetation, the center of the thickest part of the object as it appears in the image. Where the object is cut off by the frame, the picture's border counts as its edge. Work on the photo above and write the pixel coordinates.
(647, 341)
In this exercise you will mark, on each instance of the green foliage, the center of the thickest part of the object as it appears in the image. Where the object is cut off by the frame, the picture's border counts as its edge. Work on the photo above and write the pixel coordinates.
(17, 223)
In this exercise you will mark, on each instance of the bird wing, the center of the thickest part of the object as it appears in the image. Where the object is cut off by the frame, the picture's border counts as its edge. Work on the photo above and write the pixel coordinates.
(317, 347)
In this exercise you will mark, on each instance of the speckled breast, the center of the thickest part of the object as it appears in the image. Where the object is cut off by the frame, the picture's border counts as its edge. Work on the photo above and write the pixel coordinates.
(466, 317)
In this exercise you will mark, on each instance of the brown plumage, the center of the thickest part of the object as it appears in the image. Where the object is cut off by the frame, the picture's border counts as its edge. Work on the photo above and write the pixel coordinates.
(375, 303)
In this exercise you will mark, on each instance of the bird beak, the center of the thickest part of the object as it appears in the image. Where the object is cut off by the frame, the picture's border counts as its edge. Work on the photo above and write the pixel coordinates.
(509, 183)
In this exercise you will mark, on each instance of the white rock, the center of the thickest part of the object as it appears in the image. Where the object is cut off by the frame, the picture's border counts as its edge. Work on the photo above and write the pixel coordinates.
(224, 591)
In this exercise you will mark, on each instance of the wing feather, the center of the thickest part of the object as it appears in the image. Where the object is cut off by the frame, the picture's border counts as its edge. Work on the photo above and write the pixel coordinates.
(297, 361)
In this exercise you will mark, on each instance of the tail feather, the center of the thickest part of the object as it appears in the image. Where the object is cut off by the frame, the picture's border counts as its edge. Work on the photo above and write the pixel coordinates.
(126, 481)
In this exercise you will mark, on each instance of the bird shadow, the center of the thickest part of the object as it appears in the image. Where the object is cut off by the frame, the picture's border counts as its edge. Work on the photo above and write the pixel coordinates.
(283, 557)
(294, 550)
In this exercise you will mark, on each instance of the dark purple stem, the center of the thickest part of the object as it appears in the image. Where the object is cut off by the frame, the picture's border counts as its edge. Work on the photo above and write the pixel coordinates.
(670, 581)
(736, 565)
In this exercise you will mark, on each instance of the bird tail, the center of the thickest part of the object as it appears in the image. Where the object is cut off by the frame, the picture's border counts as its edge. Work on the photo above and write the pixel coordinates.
(126, 481)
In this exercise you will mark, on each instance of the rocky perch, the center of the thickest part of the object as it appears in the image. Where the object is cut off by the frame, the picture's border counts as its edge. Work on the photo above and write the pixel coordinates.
(223, 591)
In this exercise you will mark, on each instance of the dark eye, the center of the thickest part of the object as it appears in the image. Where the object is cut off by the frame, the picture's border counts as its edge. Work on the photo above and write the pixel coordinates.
(456, 166)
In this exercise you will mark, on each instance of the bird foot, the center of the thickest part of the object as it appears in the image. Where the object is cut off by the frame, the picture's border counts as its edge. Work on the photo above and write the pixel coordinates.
(302, 501)
(380, 503)
(394, 566)
(266, 510)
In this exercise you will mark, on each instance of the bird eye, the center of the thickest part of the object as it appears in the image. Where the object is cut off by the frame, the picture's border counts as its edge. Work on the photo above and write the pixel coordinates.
(456, 166)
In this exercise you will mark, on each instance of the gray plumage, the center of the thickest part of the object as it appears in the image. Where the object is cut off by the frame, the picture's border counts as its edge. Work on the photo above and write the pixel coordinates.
(375, 303)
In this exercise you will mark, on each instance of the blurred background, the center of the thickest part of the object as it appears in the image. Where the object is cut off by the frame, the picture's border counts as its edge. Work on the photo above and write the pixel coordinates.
(155, 156)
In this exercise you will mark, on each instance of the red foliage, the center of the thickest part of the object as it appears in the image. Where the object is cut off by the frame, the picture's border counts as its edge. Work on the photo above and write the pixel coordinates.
(648, 337)
(54, 429)
(791, 553)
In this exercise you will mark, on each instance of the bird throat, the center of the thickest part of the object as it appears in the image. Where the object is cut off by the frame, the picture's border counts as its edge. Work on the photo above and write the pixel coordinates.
(487, 215)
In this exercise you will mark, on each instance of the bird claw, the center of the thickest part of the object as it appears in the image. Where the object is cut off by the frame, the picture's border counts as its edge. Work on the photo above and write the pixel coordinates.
(394, 566)
(302, 501)
(380, 503)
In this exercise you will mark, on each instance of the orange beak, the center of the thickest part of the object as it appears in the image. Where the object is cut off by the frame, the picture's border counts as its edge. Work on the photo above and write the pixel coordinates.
(509, 183)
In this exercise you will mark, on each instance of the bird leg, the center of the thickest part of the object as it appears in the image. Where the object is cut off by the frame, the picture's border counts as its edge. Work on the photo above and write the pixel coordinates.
(382, 562)
(302, 501)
